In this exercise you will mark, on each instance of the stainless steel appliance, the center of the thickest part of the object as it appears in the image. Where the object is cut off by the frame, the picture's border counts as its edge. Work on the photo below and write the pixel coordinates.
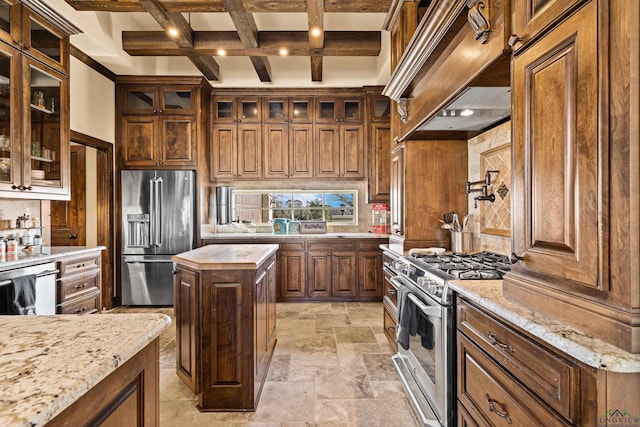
(224, 205)
(45, 303)
(158, 221)
(426, 355)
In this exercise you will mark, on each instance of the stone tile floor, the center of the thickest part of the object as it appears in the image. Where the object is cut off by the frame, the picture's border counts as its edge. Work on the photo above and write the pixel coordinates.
(331, 367)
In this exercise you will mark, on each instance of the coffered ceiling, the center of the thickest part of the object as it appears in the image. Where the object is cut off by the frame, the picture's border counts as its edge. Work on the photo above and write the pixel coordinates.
(277, 42)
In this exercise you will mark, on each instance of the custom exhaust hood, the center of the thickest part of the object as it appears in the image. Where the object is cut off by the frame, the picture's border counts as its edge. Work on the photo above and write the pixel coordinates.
(475, 109)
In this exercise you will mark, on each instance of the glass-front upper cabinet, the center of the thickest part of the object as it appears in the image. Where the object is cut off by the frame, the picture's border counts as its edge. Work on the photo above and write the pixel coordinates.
(177, 100)
(153, 100)
(341, 110)
(237, 110)
(45, 147)
(288, 110)
(9, 14)
(45, 42)
(10, 162)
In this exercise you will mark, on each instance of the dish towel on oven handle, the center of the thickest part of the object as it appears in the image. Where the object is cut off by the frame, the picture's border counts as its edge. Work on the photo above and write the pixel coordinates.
(406, 317)
(424, 328)
(19, 297)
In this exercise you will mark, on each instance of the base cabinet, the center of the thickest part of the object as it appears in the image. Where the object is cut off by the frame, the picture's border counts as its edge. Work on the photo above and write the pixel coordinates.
(225, 333)
(79, 284)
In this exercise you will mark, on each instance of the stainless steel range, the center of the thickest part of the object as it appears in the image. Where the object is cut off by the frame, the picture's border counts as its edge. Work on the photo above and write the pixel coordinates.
(426, 326)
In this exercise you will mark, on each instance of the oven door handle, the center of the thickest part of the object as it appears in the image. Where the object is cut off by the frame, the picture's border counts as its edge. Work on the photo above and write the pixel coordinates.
(429, 310)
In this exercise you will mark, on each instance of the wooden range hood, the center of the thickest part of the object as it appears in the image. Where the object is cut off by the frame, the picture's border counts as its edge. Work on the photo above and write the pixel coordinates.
(457, 45)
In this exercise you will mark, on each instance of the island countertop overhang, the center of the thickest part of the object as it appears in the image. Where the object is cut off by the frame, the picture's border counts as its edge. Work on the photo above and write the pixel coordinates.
(226, 257)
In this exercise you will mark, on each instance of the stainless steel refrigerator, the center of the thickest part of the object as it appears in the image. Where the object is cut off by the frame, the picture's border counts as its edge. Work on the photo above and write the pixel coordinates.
(158, 221)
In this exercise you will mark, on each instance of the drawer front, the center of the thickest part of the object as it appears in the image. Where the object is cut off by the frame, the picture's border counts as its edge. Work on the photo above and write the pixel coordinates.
(297, 245)
(390, 292)
(76, 286)
(331, 245)
(551, 377)
(370, 244)
(79, 265)
(390, 327)
(488, 390)
(86, 305)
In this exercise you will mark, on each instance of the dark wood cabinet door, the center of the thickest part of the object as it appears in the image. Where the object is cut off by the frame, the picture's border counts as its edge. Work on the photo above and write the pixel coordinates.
(249, 151)
(224, 163)
(319, 274)
(352, 151)
(139, 140)
(532, 17)
(301, 151)
(178, 141)
(292, 274)
(370, 274)
(260, 319)
(186, 319)
(343, 274)
(272, 285)
(276, 151)
(327, 151)
(380, 162)
(557, 152)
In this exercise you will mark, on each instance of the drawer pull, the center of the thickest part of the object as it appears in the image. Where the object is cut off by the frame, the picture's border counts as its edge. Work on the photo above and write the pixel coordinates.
(497, 343)
(391, 291)
(492, 408)
(391, 329)
(80, 286)
(79, 310)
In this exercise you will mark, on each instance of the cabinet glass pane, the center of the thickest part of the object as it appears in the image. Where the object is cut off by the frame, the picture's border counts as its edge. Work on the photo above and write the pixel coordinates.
(177, 100)
(140, 100)
(45, 41)
(5, 17)
(225, 109)
(300, 109)
(5, 118)
(249, 109)
(45, 129)
(351, 109)
(327, 109)
(382, 108)
(276, 110)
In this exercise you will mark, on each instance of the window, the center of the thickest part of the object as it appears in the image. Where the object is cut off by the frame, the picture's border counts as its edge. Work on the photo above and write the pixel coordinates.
(260, 207)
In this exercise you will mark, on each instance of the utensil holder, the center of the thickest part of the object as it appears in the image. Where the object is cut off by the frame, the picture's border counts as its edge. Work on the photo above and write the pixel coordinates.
(462, 242)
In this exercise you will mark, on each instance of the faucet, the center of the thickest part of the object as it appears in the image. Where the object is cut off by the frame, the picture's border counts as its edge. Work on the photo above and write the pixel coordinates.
(486, 183)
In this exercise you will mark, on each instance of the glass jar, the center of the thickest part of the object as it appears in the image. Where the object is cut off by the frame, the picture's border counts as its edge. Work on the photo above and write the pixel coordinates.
(37, 239)
(3, 246)
(12, 246)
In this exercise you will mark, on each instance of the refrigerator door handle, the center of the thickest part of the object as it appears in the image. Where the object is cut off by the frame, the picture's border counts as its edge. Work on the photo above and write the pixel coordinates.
(152, 211)
(159, 204)
(147, 261)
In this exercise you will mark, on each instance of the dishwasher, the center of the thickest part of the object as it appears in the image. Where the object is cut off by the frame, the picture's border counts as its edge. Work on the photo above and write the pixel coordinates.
(45, 284)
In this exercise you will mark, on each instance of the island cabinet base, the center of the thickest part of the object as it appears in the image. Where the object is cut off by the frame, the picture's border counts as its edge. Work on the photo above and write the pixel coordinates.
(129, 396)
(225, 333)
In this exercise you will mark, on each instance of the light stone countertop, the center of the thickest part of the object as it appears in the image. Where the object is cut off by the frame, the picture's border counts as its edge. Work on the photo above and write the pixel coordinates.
(46, 254)
(591, 351)
(226, 257)
(212, 236)
(48, 362)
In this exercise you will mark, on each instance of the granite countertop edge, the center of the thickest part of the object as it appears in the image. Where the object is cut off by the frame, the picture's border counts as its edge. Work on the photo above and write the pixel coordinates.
(208, 258)
(590, 351)
(37, 386)
(50, 253)
(213, 236)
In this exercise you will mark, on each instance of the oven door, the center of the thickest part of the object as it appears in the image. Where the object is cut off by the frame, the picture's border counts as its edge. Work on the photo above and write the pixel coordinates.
(427, 372)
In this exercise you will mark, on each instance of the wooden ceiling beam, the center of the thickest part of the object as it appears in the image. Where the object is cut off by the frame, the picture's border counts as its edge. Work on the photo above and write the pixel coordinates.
(250, 6)
(248, 33)
(315, 12)
(207, 43)
(183, 38)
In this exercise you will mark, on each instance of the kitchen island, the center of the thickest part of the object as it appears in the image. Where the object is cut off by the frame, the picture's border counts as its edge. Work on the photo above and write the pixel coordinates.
(224, 299)
(72, 370)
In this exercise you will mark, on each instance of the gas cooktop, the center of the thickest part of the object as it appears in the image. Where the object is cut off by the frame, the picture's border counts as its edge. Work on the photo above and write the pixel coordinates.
(478, 266)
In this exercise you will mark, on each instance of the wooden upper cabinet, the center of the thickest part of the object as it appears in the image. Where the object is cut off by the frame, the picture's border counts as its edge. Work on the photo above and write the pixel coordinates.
(288, 110)
(178, 141)
(231, 109)
(557, 150)
(10, 14)
(288, 151)
(380, 162)
(397, 191)
(532, 17)
(339, 110)
(146, 99)
(44, 41)
(352, 151)
(139, 140)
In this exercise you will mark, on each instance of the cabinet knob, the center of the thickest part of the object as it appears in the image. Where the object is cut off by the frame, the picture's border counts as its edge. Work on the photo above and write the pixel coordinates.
(29, 188)
(73, 236)
(174, 272)
(514, 39)
(155, 111)
(16, 187)
(160, 111)
(515, 258)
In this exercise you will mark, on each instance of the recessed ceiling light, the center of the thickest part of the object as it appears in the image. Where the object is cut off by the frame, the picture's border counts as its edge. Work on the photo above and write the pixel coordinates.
(283, 52)
(315, 31)
(172, 31)
(466, 112)
(222, 52)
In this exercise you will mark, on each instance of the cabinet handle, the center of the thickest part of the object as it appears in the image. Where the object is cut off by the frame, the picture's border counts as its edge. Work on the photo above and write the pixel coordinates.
(80, 286)
(73, 236)
(391, 329)
(391, 291)
(155, 111)
(514, 39)
(29, 188)
(492, 408)
(79, 310)
(16, 187)
(160, 111)
(174, 272)
(497, 343)
(513, 258)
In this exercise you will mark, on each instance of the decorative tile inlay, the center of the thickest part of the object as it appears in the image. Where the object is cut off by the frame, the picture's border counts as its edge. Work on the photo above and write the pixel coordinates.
(495, 218)
(502, 191)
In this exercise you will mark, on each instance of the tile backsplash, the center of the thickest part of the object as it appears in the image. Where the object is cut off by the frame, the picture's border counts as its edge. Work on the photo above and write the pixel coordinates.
(492, 151)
